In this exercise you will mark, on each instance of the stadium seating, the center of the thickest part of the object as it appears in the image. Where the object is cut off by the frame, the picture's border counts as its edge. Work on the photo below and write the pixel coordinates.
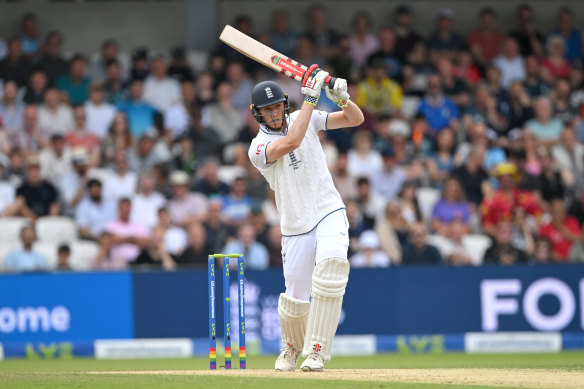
(477, 245)
(56, 229)
(47, 249)
(427, 198)
(10, 228)
(82, 253)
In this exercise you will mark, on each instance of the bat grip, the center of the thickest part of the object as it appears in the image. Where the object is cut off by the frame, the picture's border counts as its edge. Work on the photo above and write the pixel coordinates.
(330, 81)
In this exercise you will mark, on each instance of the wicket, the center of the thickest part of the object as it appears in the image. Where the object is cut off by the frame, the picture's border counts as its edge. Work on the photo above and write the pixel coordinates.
(226, 310)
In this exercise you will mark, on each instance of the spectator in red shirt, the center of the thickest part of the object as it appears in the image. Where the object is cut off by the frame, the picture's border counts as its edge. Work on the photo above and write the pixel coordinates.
(485, 41)
(465, 69)
(555, 64)
(508, 196)
(562, 231)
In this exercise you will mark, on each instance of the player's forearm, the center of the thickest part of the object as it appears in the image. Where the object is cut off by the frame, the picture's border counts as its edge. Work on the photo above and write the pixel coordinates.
(300, 126)
(353, 115)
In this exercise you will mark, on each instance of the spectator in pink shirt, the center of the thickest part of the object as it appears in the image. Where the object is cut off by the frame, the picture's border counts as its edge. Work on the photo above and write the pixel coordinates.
(128, 238)
(363, 41)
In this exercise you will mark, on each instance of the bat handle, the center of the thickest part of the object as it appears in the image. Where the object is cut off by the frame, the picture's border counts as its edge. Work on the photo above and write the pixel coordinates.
(330, 81)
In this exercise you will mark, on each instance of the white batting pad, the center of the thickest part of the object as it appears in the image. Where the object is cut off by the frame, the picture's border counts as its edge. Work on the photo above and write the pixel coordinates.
(293, 317)
(329, 279)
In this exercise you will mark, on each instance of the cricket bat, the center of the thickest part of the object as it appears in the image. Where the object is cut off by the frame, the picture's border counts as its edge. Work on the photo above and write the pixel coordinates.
(265, 55)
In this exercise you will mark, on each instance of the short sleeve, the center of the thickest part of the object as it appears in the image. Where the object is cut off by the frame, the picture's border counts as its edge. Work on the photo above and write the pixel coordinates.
(257, 154)
(318, 120)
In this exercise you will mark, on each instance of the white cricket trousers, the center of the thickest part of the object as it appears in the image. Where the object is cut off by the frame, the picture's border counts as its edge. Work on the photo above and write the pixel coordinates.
(330, 238)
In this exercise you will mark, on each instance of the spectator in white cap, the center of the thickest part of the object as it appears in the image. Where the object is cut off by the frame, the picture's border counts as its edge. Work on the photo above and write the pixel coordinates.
(185, 207)
(369, 254)
(399, 127)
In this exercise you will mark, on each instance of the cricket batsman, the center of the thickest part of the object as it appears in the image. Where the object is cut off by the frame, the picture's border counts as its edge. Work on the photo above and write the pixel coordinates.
(314, 224)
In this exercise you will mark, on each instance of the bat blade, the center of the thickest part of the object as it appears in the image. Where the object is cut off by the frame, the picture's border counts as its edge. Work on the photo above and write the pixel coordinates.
(262, 53)
(265, 55)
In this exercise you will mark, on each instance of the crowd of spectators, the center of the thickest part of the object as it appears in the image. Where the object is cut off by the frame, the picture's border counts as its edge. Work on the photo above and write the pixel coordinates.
(148, 155)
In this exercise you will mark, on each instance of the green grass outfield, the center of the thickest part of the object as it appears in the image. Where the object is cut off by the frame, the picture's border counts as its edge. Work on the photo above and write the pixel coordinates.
(73, 373)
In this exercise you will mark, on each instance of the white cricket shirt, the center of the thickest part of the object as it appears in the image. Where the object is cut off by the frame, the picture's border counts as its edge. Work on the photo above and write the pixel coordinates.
(305, 192)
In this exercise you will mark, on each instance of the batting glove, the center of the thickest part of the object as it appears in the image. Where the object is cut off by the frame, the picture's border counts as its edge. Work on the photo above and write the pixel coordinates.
(339, 93)
(312, 84)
